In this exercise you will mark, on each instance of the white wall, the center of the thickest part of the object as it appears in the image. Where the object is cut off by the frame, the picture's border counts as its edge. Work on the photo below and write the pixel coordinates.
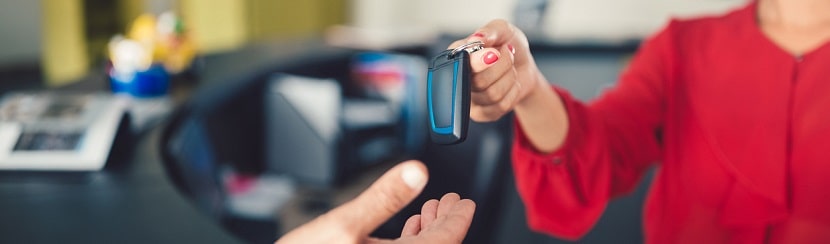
(20, 31)
(610, 21)
(566, 20)
(437, 15)
(389, 23)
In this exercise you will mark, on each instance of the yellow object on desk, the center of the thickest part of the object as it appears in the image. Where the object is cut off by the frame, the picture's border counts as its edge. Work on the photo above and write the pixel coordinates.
(152, 40)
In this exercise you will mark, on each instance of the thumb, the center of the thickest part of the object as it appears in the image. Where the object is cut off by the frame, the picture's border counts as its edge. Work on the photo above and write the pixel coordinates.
(383, 199)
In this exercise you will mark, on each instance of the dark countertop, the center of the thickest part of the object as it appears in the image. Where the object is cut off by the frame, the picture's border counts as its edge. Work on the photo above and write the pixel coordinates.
(130, 201)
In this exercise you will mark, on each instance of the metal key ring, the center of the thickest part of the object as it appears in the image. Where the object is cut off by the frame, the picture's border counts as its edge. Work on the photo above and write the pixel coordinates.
(469, 47)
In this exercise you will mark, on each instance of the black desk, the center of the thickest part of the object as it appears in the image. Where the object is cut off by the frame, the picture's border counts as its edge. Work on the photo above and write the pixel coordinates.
(130, 201)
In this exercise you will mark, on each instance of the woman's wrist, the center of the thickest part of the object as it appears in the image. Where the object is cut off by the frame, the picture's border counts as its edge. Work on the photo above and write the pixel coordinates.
(542, 116)
(535, 90)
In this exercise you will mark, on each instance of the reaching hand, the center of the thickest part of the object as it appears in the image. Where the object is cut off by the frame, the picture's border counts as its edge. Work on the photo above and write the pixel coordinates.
(444, 221)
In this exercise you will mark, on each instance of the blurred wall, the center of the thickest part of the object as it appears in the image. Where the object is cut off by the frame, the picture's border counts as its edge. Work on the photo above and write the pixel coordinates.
(222, 25)
(20, 28)
(216, 25)
(614, 21)
(270, 19)
(437, 15)
(64, 57)
(564, 20)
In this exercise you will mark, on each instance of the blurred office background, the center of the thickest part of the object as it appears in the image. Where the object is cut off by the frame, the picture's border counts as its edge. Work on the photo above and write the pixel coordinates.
(244, 111)
(64, 38)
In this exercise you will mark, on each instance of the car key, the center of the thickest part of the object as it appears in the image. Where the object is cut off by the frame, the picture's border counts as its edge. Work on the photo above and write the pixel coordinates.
(448, 93)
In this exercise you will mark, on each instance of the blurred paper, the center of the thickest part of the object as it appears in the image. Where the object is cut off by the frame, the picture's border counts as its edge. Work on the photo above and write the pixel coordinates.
(54, 131)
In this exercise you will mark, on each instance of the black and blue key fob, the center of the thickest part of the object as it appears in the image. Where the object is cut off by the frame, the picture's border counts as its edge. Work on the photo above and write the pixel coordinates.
(448, 94)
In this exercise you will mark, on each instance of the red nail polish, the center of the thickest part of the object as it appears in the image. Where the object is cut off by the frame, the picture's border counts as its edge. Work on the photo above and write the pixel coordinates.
(478, 34)
(511, 48)
(490, 58)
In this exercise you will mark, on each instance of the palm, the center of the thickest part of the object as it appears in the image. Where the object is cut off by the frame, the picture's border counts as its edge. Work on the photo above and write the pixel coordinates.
(444, 221)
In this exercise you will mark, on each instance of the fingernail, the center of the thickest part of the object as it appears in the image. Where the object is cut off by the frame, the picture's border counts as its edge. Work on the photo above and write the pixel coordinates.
(490, 58)
(477, 34)
(413, 177)
(510, 47)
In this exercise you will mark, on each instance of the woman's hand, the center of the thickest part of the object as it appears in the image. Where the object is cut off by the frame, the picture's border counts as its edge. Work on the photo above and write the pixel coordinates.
(504, 72)
(506, 78)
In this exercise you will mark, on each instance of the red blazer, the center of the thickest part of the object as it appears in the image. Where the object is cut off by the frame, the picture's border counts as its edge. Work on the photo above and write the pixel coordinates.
(738, 129)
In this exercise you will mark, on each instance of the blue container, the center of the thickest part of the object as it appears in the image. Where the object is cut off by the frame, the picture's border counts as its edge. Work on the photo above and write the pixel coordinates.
(153, 82)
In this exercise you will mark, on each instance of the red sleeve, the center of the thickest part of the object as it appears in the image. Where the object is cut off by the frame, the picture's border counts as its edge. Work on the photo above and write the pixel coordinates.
(609, 145)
